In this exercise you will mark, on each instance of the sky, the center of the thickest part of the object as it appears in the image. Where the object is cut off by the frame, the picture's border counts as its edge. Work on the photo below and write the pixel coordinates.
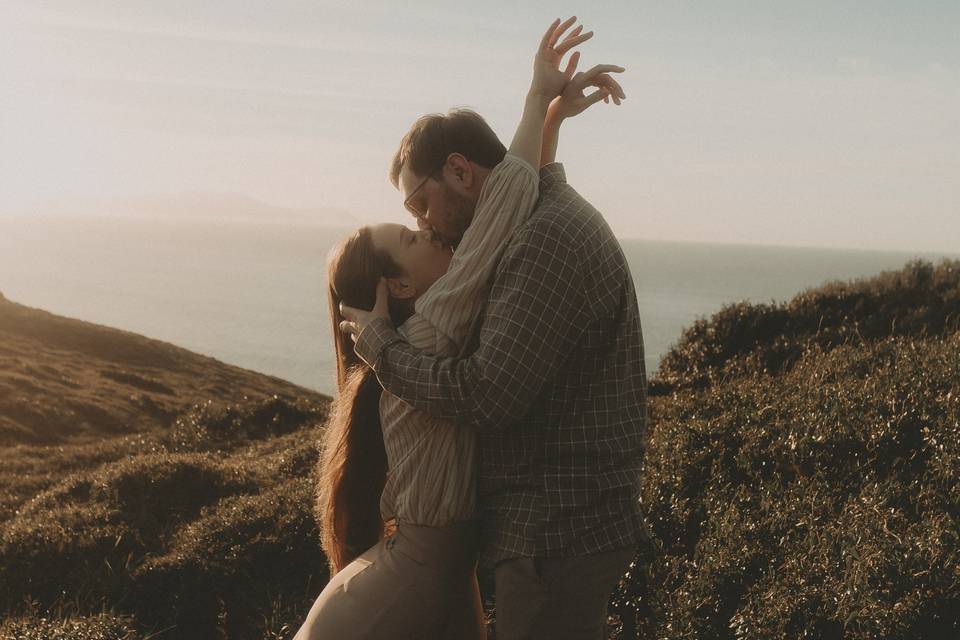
(830, 124)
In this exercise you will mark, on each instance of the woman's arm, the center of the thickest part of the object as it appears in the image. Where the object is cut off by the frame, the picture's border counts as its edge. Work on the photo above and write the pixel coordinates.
(445, 311)
(548, 83)
(572, 101)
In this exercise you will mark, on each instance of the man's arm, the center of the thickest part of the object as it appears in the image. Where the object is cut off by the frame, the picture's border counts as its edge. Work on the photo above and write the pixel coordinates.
(534, 317)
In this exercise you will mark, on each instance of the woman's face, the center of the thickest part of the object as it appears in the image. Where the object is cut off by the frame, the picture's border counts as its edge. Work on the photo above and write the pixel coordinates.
(421, 255)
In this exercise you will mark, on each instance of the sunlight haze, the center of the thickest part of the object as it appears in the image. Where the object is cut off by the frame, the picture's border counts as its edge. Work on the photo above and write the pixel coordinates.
(810, 124)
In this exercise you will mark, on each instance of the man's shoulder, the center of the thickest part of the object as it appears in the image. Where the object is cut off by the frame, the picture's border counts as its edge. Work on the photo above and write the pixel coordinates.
(563, 216)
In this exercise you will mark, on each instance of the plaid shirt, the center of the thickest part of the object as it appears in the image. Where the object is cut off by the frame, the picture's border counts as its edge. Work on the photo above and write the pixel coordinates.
(553, 380)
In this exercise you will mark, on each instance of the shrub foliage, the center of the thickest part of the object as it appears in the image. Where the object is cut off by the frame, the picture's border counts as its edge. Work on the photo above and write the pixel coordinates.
(801, 480)
(203, 531)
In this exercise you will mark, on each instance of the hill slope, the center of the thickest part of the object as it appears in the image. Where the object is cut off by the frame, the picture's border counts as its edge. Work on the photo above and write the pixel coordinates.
(65, 380)
(136, 476)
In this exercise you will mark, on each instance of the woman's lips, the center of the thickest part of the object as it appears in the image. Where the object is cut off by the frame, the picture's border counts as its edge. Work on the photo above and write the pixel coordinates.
(437, 239)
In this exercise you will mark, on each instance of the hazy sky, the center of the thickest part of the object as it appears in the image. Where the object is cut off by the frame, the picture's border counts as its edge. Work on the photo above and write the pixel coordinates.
(818, 123)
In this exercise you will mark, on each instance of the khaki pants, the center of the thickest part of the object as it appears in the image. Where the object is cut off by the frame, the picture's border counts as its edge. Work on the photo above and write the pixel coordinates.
(419, 583)
(558, 598)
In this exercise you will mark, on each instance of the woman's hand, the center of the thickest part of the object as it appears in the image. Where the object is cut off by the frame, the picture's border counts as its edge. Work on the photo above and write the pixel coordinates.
(573, 100)
(548, 79)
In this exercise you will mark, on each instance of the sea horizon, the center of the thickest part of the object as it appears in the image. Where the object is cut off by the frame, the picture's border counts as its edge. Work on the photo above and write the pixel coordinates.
(251, 293)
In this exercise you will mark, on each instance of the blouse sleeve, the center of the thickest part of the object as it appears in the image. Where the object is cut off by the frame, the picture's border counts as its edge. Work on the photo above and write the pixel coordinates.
(446, 310)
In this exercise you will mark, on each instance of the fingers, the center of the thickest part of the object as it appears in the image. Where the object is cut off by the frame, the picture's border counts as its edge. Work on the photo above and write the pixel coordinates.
(558, 31)
(569, 43)
(587, 76)
(599, 76)
(348, 328)
(603, 81)
(573, 34)
(544, 42)
(615, 89)
(572, 65)
(597, 96)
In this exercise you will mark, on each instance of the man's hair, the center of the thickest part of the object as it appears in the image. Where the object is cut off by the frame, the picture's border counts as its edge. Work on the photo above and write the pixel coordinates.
(433, 137)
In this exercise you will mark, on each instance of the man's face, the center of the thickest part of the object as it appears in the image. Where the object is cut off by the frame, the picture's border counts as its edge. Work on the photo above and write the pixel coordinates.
(444, 207)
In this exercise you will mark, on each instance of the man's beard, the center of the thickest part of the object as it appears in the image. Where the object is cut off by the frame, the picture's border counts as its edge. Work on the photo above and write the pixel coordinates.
(460, 214)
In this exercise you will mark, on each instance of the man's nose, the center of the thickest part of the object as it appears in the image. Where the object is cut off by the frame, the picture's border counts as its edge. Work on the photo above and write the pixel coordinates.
(423, 225)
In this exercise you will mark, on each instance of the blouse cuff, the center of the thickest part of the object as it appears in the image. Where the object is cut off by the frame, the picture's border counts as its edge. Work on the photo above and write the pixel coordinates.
(374, 338)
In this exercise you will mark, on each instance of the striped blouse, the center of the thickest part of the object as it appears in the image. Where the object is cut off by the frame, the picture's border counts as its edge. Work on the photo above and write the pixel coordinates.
(432, 463)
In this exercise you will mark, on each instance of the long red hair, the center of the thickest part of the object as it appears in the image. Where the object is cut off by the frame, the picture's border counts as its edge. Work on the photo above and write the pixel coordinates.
(353, 461)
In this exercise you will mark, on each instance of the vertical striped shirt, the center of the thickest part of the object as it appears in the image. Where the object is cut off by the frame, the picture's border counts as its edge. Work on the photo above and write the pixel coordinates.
(432, 463)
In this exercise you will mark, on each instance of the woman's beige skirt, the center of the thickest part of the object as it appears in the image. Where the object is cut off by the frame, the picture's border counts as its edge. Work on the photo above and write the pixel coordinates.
(418, 583)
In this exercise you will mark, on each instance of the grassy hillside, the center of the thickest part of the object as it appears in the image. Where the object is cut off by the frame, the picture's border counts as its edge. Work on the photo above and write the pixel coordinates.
(63, 380)
(144, 487)
(802, 479)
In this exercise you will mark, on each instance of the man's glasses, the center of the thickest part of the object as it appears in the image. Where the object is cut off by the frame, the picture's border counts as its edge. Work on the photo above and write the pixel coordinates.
(407, 203)
(417, 213)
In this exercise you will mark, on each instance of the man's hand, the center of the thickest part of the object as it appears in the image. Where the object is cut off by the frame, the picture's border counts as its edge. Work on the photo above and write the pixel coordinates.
(356, 320)
(548, 79)
(573, 100)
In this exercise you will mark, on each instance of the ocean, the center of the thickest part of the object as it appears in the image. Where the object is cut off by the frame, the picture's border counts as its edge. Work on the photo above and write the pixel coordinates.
(253, 294)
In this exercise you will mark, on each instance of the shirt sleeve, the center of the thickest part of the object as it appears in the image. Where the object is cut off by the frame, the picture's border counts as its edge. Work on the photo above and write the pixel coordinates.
(535, 316)
(506, 201)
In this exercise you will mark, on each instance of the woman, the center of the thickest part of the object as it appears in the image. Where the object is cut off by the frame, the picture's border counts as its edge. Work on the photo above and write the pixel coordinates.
(383, 460)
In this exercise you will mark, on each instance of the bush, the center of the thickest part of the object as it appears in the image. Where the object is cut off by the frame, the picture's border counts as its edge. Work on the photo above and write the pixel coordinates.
(84, 534)
(824, 502)
(99, 627)
(226, 569)
(202, 541)
(209, 426)
(743, 339)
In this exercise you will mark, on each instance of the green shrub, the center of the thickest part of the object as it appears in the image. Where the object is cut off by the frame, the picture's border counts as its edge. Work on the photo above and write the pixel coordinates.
(213, 538)
(84, 534)
(99, 627)
(226, 569)
(743, 338)
(212, 425)
(822, 502)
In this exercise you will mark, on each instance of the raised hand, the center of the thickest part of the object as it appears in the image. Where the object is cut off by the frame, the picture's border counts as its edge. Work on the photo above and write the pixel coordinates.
(573, 99)
(548, 79)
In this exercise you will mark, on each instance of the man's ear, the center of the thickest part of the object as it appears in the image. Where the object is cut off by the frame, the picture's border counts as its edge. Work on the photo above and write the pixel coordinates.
(400, 288)
(459, 171)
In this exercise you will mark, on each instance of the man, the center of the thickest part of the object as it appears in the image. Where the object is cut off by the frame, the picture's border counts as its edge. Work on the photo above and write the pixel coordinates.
(553, 380)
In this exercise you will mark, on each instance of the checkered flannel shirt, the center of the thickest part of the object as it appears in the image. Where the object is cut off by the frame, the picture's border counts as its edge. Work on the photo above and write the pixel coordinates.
(552, 378)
